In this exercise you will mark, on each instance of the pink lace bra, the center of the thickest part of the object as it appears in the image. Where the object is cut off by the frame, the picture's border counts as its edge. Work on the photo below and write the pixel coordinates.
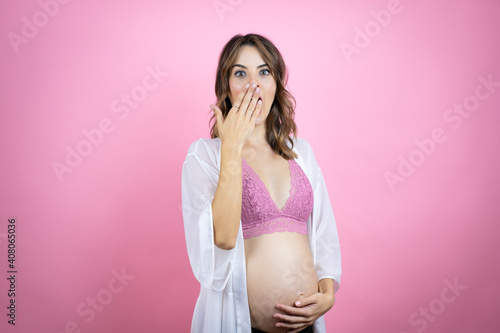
(260, 214)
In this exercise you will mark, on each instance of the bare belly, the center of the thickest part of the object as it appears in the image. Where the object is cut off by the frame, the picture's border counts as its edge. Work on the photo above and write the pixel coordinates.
(279, 268)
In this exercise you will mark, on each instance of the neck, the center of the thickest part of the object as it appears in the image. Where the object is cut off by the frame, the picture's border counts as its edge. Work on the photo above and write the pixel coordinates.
(258, 137)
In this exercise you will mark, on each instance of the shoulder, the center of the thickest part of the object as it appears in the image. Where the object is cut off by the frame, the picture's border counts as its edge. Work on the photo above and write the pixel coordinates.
(303, 148)
(307, 158)
(206, 150)
(203, 145)
(301, 143)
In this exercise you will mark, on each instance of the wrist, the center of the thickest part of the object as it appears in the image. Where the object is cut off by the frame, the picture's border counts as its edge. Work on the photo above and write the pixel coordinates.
(329, 298)
(325, 287)
(231, 149)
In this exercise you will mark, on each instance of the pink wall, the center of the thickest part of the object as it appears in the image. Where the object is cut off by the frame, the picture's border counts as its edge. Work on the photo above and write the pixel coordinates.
(412, 177)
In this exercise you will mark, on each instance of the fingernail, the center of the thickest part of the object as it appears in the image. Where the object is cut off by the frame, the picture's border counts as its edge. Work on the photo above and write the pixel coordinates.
(212, 107)
(297, 303)
(257, 90)
(254, 85)
(248, 85)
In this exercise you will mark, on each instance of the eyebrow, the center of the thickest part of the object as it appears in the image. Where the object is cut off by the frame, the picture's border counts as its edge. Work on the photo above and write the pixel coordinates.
(263, 65)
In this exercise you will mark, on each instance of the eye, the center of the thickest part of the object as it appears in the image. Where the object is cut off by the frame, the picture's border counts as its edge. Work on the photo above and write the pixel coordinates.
(239, 73)
(265, 72)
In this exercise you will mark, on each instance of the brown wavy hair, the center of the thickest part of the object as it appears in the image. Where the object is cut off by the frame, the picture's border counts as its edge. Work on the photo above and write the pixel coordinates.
(280, 121)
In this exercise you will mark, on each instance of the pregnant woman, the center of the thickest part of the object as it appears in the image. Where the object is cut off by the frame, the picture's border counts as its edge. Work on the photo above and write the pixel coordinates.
(260, 230)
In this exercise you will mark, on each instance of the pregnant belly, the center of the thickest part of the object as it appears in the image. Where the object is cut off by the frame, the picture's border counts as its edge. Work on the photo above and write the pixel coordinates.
(279, 269)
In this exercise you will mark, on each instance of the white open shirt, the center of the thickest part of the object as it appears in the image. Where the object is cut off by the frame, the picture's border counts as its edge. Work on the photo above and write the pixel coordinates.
(222, 304)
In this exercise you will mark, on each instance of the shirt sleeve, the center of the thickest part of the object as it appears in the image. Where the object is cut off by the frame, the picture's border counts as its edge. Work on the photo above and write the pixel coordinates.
(328, 261)
(211, 265)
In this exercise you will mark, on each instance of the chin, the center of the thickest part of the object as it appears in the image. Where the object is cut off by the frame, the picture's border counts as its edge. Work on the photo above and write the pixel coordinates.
(260, 120)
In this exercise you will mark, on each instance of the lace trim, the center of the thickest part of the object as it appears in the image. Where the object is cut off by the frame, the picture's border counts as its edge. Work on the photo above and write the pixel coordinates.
(279, 224)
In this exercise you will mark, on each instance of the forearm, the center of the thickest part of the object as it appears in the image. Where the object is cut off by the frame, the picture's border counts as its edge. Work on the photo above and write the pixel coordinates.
(226, 205)
(325, 286)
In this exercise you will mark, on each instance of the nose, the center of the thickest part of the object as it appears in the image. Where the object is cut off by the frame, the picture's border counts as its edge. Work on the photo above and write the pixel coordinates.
(253, 82)
(253, 79)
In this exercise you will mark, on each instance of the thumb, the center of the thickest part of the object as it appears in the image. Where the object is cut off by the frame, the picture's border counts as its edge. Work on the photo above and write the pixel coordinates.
(218, 113)
(303, 301)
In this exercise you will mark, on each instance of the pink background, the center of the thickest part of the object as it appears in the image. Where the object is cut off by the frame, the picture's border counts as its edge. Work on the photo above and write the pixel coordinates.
(119, 208)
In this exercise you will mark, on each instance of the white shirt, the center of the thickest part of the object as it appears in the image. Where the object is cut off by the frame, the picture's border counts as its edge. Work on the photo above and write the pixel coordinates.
(222, 304)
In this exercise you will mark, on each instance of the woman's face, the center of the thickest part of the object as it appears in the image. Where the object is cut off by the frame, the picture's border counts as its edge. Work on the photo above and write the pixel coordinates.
(250, 68)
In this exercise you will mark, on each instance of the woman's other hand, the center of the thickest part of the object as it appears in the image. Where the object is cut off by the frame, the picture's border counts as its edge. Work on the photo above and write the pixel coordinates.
(306, 312)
